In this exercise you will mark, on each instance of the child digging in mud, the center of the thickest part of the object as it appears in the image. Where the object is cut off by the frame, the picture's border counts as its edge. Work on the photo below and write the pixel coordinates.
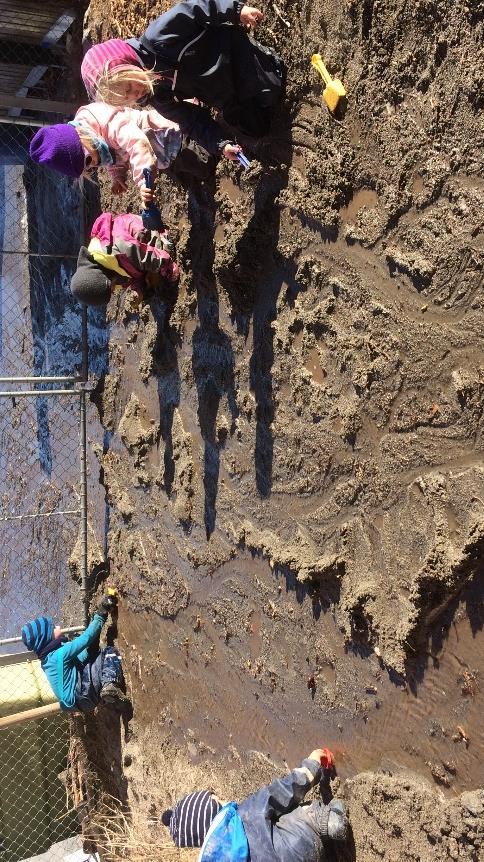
(198, 51)
(270, 826)
(80, 673)
(122, 253)
(103, 136)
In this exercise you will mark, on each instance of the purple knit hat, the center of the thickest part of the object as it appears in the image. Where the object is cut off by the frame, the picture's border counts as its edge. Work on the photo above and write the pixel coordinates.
(60, 148)
(112, 54)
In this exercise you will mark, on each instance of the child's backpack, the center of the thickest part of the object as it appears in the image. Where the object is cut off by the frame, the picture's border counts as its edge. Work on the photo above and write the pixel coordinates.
(226, 840)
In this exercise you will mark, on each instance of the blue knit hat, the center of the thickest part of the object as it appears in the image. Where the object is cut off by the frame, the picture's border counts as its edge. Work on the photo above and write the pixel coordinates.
(37, 633)
(59, 147)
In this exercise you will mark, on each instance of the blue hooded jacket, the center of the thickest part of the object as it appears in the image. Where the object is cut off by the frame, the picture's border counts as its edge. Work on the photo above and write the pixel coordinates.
(64, 665)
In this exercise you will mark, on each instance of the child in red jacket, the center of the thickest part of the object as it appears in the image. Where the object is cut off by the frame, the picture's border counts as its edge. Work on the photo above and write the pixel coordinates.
(121, 254)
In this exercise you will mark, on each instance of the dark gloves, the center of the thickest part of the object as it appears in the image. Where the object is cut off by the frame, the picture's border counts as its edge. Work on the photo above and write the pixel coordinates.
(107, 605)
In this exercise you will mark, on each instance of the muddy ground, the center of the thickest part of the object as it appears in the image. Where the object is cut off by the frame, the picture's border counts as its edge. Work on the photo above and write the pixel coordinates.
(293, 444)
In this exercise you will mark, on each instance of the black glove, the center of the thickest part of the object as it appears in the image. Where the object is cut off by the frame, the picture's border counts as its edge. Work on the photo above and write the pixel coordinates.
(107, 605)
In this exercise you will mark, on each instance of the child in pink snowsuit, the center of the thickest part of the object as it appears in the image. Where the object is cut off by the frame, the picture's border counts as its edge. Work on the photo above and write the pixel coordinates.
(119, 139)
(120, 254)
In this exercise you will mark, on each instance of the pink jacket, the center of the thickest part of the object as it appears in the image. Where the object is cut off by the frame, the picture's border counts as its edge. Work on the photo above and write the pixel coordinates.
(124, 130)
(119, 237)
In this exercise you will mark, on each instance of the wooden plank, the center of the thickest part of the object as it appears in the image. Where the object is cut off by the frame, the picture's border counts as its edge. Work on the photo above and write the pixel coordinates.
(46, 106)
(33, 7)
(29, 714)
(13, 69)
(30, 21)
(10, 83)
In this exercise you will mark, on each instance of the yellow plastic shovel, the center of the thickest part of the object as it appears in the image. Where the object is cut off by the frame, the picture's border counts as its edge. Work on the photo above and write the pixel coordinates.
(334, 89)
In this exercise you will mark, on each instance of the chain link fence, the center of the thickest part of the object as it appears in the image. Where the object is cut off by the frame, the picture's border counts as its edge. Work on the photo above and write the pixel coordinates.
(43, 512)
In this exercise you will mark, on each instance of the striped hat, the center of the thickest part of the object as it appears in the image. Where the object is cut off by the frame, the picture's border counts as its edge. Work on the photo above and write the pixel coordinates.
(37, 633)
(113, 54)
(191, 818)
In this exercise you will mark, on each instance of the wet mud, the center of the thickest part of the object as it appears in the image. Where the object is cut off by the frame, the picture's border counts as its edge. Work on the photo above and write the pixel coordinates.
(293, 456)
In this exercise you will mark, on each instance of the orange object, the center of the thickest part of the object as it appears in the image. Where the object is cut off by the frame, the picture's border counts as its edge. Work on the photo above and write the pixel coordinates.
(327, 759)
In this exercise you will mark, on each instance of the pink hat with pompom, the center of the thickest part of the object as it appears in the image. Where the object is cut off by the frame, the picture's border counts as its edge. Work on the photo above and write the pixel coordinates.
(111, 54)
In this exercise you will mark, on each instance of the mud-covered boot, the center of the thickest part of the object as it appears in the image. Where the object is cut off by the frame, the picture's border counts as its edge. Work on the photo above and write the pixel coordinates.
(337, 820)
(114, 697)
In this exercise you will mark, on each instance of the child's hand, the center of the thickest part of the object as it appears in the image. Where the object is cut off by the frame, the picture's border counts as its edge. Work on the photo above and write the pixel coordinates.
(230, 151)
(316, 754)
(250, 17)
(146, 195)
(324, 757)
(118, 187)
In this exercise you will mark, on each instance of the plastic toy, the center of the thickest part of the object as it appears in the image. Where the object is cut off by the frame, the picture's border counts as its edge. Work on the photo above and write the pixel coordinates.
(327, 759)
(244, 161)
(334, 89)
(151, 215)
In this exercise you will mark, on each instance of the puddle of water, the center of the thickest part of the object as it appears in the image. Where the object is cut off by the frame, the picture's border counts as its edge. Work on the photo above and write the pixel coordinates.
(219, 235)
(417, 730)
(189, 327)
(418, 185)
(299, 163)
(363, 199)
(229, 188)
(223, 681)
(313, 365)
(255, 638)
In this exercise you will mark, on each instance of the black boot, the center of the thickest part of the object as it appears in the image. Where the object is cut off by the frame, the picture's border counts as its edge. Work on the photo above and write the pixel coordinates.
(112, 696)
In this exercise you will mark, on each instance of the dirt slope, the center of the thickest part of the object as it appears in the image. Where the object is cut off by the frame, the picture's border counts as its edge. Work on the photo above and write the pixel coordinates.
(317, 397)
(293, 449)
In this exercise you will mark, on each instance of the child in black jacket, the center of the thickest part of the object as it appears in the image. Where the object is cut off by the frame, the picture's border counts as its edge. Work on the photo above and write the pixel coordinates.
(197, 50)
(278, 827)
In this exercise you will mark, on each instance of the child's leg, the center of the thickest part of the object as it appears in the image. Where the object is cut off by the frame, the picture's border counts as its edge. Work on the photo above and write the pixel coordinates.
(259, 75)
(330, 820)
(89, 685)
(194, 160)
(301, 834)
(113, 686)
(112, 669)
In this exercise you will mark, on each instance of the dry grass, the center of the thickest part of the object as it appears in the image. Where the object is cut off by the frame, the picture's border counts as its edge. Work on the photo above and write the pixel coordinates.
(81, 781)
(120, 836)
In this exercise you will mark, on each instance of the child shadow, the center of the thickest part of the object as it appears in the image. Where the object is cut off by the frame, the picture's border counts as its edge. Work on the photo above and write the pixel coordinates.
(165, 368)
(212, 357)
(253, 280)
(104, 749)
(344, 851)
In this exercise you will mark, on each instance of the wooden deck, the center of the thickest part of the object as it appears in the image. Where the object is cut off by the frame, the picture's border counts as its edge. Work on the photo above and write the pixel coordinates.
(29, 31)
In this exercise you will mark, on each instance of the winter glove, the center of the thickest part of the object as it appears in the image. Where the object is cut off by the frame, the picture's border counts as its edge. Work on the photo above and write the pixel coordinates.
(163, 242)
(156, 239)
(107, 605)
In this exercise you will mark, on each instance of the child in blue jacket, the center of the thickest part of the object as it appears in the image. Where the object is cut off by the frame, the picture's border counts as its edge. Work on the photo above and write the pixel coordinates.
(277, 827)
(79, 672)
